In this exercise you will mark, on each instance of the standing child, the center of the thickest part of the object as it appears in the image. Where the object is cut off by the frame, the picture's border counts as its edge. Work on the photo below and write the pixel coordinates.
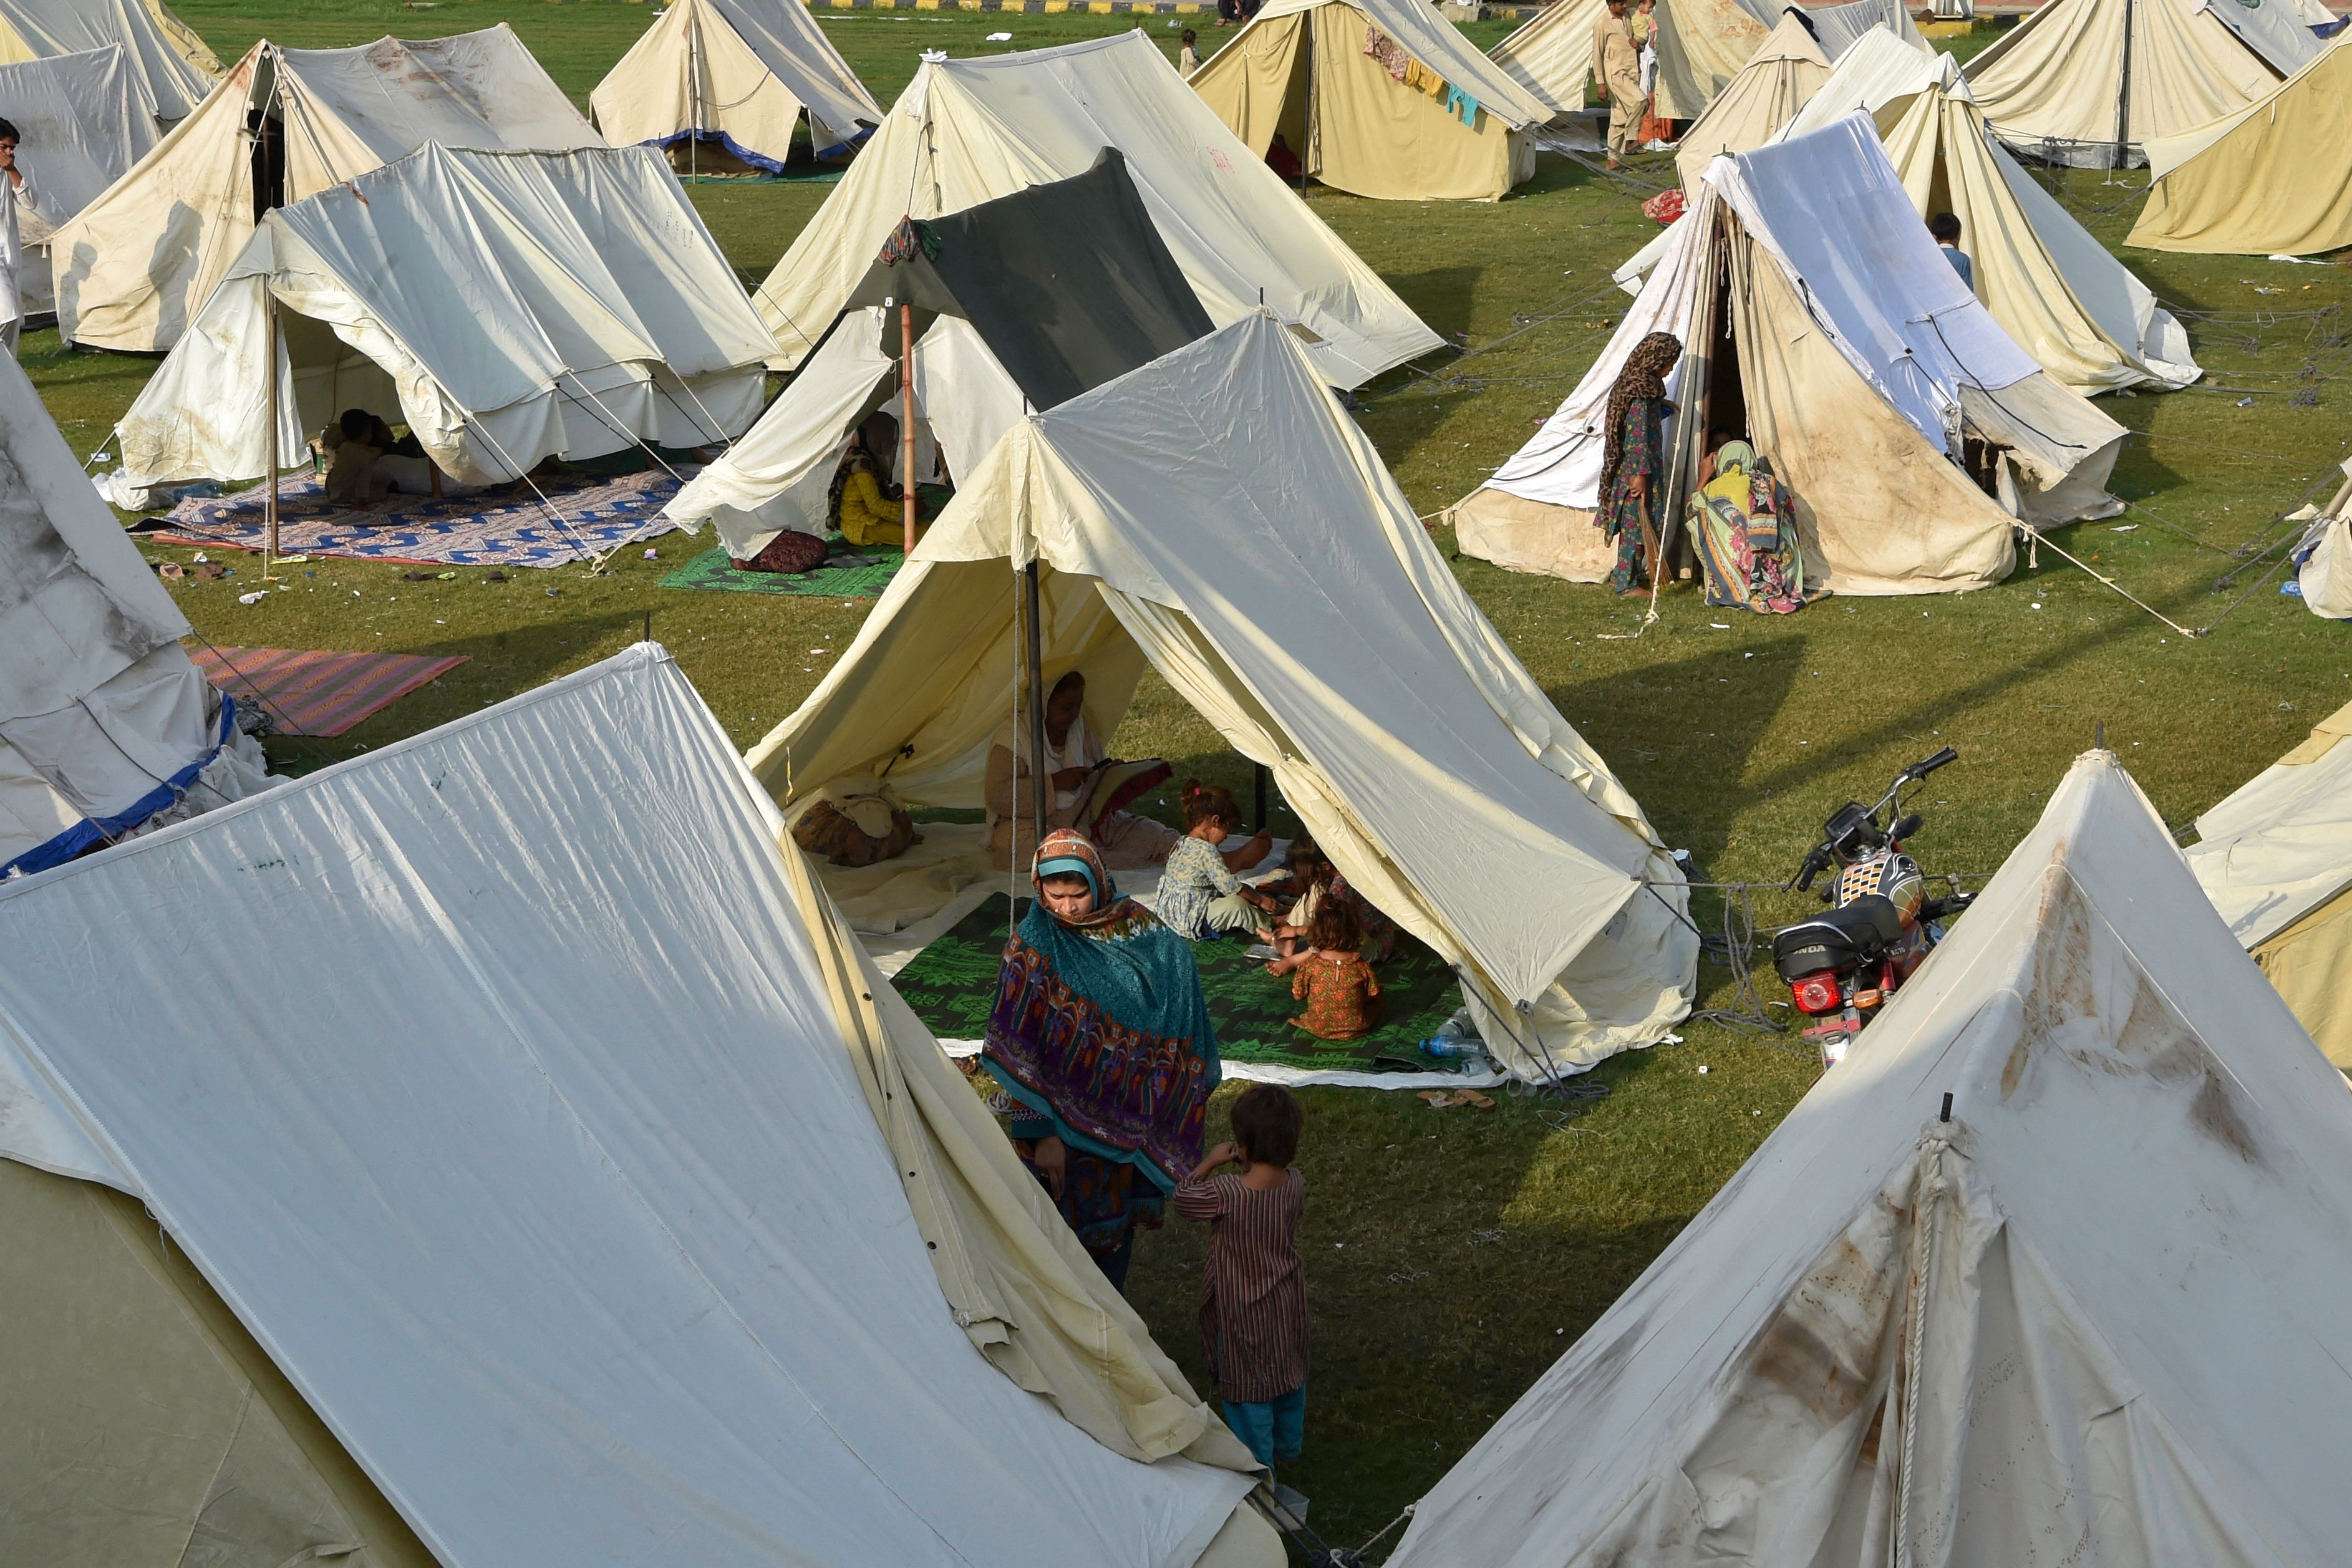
(1200, 897)
(1342, 992)
(1188, 59)
(1252, 1286)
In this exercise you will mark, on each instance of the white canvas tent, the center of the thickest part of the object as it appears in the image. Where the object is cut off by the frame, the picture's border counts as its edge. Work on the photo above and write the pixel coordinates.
(2053, 288)
(2087, 83)
(1451, 124)
(1218, 516)
(1853, 356)
(84, 124)
(724, 83)
(2271, 178)
(966, 130)
(106, 727)
(134, 267)
(170, 68)
(2276, 860)
(586, 1214)
(2096, 1315)
(511, 306)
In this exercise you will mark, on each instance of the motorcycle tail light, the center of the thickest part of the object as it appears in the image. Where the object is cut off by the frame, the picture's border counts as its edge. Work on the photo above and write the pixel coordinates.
(1816, 992)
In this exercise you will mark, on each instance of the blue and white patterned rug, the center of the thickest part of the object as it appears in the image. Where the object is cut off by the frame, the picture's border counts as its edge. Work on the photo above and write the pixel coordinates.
(508, 526)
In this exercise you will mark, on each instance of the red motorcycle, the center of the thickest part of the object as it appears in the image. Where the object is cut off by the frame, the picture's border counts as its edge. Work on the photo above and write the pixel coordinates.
(1842, 966)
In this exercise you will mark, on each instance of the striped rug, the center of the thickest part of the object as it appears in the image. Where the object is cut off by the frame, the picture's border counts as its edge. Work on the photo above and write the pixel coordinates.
(309, 693)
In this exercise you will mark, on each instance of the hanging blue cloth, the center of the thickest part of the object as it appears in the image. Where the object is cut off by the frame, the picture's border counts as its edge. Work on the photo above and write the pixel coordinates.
(1468, 106)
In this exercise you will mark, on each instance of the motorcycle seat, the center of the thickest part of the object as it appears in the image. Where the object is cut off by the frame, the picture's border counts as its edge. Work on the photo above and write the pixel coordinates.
(1852, 934)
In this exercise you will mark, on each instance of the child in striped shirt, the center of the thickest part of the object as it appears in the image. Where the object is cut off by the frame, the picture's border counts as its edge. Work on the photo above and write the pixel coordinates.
(1254, 1288)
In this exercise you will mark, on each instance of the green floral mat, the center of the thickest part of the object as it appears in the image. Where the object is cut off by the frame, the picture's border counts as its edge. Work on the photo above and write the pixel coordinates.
(951, 984)
(713, 571)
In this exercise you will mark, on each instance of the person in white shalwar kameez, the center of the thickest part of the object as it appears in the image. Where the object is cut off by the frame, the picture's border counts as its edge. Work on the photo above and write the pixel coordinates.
(16, 194)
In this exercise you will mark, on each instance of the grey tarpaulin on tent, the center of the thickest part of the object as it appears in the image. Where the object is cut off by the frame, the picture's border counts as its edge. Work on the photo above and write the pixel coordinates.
(1068, 284)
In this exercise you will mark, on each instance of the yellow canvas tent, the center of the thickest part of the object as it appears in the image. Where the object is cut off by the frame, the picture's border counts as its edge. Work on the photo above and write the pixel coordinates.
(1381, 98)
(2273, 178)
(169, 66)
(2276, 860)
(2052, 287)
(1701, 45)
(133, 267)
(1821, 322)
(2089, 82)
(724, 83)
(1551, 54)
(1779, 80)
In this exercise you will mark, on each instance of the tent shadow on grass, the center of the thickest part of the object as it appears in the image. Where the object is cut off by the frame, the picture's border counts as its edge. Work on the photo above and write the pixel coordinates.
(1440, 296)
(1688, 791)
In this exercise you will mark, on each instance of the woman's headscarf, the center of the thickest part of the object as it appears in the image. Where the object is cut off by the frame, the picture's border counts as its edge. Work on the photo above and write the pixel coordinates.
(1065, 852)
(1644, 377)
(1733, 455)
(1100, 1026)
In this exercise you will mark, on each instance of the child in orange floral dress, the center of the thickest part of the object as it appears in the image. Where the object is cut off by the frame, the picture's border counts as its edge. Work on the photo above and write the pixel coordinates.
(1342, 992)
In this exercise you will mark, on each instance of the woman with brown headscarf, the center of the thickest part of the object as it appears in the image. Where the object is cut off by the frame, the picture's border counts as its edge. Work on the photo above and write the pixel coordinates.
(1633, 459)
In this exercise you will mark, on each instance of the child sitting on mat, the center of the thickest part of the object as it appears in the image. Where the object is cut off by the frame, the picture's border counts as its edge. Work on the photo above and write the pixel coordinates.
(1200, 897)
(1308, 875)
(1252, 1284)
(1342, 992)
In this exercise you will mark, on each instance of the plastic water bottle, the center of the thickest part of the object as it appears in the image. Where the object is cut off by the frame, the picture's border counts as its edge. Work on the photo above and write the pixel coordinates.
(1455, 1038)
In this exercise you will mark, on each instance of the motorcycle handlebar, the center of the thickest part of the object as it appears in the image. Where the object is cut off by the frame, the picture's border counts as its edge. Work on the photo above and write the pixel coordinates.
(1814, 864)
(1925, 765)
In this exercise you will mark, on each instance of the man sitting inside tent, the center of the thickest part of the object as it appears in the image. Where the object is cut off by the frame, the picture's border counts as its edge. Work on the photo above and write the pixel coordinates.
(1089, 790)
(369, 462)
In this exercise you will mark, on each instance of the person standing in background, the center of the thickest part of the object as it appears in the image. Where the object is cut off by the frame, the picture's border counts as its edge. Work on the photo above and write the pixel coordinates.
(1655, 133)
(1946, 230)
(1187, 59)
(1619, 67)
(16, 192)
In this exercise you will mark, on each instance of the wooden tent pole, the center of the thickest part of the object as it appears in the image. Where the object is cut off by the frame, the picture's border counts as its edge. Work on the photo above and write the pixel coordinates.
(1041, 783)
(906, 415)
(1307, 111)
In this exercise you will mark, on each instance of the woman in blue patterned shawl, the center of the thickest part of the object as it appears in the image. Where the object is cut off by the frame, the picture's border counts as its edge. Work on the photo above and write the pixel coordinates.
(1100, 1032)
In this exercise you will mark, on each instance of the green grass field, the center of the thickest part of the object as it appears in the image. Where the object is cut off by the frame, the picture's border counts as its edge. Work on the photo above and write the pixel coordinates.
(1453, 1255)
